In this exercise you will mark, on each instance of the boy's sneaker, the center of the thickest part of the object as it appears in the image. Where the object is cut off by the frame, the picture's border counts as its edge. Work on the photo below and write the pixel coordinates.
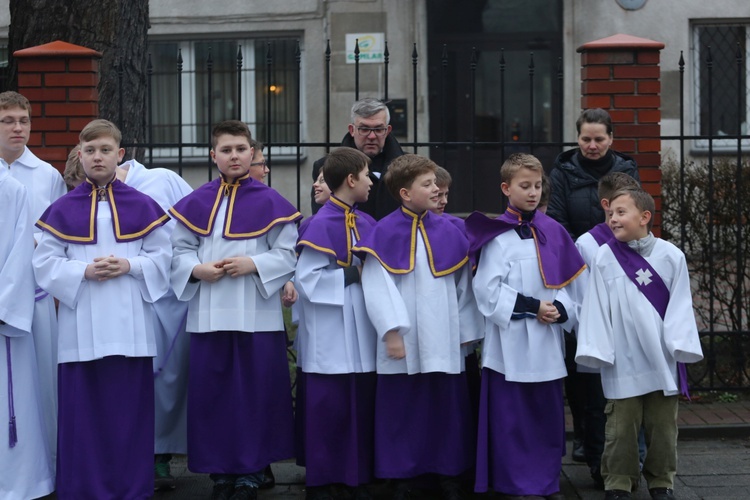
(163, 479)
(662, 493)
(616, 495)
(244, 492)
(222, 491)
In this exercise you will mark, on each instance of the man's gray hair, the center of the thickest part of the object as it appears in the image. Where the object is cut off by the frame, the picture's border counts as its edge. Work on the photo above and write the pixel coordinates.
(368, 106)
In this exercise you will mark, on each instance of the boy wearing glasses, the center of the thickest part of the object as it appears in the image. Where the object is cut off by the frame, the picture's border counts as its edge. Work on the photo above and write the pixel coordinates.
(370, 132)
(44, 185)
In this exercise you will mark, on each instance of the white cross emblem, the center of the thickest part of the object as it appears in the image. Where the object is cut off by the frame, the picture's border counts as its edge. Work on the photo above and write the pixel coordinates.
(644, 277)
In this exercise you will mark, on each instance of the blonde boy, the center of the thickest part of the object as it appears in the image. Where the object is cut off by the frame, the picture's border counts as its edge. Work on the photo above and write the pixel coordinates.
(526, 263)
(105, 256)
(636, 325)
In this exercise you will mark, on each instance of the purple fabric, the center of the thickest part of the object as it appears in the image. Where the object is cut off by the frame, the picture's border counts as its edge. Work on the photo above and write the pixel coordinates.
(643, 276)
(456, 221)
(331, 230)
(521, 436)
(393, 242)
(303, 225)
(423, 425)
(559, 260)
(336, 419)
(601, 233)
(253, 208)
(105, 438)
(72, 218)
(682, 375)
(239, 402)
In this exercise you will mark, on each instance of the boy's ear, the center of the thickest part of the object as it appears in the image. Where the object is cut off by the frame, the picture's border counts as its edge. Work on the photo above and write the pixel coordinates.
(213, 155)
(645, 217)
(605, 203)
(350, 180)
(404, 194)
(120, 155)
(505, 188)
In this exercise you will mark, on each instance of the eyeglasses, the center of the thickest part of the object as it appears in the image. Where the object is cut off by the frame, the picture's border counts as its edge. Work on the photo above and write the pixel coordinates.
(9, 122)
(263, 164)
(365, 131)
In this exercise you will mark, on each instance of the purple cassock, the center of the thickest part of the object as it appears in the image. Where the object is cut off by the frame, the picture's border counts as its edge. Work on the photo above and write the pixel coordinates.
(72, 218)
(335, 412)
(240, 415)
(559, 259)
(106, 406)
(424, 423)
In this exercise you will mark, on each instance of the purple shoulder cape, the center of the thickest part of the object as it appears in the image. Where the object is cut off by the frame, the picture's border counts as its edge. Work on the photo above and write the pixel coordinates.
(456, 221)
(253, 208)
(559, 260)
(72, 218)
(393, 241)
(330, 231)
(601, 233)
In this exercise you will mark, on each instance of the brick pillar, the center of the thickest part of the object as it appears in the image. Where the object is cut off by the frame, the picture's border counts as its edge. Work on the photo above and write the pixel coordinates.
(60, 80)
(621, 74)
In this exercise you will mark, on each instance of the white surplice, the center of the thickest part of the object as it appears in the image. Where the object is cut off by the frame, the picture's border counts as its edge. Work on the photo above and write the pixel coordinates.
(104, 318)
(433, 315)
(172, 342)
(27, 467)
(621, 333)
(524, 350)
(245, 305)
(335, 334)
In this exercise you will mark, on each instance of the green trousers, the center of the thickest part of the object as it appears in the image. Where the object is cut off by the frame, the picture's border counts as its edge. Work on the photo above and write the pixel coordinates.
(620, 464)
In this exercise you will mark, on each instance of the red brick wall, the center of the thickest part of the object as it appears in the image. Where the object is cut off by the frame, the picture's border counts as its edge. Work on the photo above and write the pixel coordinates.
(60, 80)
(621, 74)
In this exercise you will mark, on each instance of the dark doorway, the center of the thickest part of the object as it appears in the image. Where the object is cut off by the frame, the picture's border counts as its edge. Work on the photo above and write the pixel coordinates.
(515, 109)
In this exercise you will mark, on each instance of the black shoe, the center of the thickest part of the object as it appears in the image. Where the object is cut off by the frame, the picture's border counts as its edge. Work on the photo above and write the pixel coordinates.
(596, 475)
(578, 454)
(244, 492)
(222, 491)
(269, 480)
(616, 495)
(403, 492)
(662, 493)
(163, 479)
(451, 489)
(318, 493)
(362, 492)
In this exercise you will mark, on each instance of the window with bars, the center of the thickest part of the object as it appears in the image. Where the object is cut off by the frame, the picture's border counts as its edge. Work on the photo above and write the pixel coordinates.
(721, 84)
(254, 80)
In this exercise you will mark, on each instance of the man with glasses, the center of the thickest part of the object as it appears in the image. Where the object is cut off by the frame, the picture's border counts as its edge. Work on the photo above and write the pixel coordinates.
(44, 184)
(370, 132)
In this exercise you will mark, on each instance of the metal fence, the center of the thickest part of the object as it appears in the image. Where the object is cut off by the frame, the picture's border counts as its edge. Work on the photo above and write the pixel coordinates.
(704, 217)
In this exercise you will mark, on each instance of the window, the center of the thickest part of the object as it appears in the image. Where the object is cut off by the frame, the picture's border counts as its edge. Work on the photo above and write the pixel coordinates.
(727, 97)
(187, 103)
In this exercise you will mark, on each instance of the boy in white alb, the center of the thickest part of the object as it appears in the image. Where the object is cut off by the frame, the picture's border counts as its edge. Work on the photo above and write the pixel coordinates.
(416, 281)
(526, 264)
(336, 382)
(594, 401)
(233, 252)
(105, 256)
(25, 453)
(44, 185)
(636, 325)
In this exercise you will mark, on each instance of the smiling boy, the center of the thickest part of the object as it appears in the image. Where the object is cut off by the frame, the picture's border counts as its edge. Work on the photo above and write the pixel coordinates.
(416, 282)
(233, 252)
(104, 255)
(526, 262)
(636, 325)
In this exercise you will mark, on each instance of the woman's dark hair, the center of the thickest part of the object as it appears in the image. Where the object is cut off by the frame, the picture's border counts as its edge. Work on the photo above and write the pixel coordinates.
(594, 115)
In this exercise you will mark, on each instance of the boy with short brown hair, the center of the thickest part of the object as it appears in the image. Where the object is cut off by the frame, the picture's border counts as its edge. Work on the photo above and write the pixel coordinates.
(637, 325)
(416, 282)
(230, 267)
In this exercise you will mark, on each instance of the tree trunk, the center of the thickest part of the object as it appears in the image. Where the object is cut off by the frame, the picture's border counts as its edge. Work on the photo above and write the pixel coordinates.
(116, 28)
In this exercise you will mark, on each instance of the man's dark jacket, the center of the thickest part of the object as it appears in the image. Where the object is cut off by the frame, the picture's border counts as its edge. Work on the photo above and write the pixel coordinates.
(380, 203)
